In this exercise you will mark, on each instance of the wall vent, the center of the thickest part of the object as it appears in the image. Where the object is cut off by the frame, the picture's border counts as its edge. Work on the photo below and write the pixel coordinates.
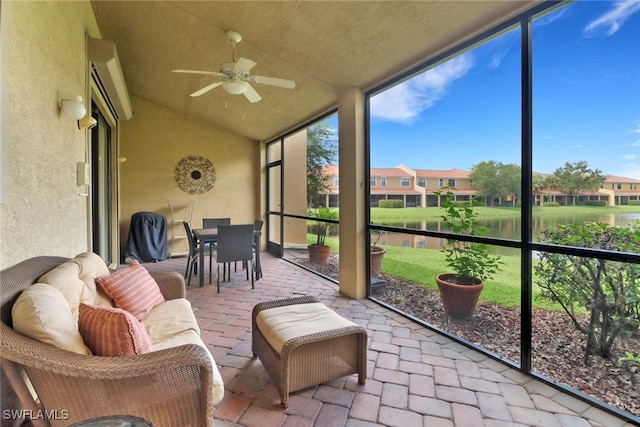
(106, 66)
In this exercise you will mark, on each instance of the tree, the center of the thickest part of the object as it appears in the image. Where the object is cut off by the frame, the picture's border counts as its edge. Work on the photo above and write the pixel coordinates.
(495, 179)
(321, 151)
(575, 177)
(608, 290)
(538, 184)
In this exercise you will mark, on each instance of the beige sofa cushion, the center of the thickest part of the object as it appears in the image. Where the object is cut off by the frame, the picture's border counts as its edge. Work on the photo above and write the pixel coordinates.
(75, 279)
(170, 318)
(280, 324)
(191, 337)
(41, 312)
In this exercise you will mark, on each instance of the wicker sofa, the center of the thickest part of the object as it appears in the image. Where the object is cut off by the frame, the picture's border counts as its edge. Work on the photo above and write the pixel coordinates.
(176, 383)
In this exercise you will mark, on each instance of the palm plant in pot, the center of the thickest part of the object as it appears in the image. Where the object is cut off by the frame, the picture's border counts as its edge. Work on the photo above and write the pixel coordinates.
(319, 251)
(470, 262)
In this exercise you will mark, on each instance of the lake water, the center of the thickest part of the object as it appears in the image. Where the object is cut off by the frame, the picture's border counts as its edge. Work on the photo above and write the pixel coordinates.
(510, 228)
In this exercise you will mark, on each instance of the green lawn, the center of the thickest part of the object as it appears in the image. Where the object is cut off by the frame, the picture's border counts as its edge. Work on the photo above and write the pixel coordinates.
(421, 266)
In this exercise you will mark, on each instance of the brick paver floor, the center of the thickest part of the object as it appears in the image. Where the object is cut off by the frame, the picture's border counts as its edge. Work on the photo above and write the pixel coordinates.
(415, 376)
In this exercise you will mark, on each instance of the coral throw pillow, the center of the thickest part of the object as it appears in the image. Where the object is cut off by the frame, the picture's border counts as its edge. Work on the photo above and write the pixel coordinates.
(132, 289)
(112, 332)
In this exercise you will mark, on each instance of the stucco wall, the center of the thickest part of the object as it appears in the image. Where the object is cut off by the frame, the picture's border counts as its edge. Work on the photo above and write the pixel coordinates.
(44, 213)
(156, 139)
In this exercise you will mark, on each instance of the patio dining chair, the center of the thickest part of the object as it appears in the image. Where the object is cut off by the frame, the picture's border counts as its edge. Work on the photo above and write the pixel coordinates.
(257, 226)
(192, 257)
(235, 243)
(213, 223)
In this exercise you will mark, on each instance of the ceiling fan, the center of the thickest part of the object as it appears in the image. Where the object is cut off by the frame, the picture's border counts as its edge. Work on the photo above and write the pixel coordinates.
(236, 77)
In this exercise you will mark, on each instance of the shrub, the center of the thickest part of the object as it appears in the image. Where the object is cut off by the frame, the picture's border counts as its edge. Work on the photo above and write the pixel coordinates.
(470, 261)
(595, 203)
(551, 204)
(633, 202)
(391, 204)
(607, 289)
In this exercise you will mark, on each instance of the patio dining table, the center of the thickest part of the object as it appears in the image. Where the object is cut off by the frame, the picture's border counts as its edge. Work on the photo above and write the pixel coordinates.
(210, 235)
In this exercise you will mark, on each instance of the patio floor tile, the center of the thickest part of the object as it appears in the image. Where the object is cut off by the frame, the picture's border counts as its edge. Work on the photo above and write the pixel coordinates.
(415, 376)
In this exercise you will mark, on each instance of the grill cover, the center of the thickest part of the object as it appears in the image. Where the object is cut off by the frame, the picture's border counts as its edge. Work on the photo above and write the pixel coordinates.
(147, 240)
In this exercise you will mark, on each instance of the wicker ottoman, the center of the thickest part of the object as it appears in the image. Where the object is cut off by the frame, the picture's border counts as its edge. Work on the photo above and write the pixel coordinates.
(302, 343)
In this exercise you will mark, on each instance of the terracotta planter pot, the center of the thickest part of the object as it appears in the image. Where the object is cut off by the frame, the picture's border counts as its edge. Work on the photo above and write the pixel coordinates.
(318, 254)
(375, 261)
(459, 301)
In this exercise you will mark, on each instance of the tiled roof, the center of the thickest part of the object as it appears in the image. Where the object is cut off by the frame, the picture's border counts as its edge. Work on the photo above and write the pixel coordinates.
(451, 173)
(621, 179)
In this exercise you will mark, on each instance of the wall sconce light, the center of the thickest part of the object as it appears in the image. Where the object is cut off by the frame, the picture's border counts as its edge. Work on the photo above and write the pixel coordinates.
(87, 122)
(71, 106)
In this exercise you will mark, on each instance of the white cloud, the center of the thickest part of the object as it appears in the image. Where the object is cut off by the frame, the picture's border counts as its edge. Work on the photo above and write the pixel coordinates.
(576, 146)
(547, 137)
(611, 21)
(635, 144)
(630, 170)
(404, 102)
(629, 156)
(636, 130)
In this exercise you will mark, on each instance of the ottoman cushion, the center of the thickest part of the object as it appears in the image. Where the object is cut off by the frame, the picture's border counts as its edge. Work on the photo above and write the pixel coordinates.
(280, 324)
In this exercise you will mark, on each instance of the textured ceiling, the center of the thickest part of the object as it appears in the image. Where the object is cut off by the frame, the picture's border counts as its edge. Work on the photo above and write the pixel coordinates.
(325, 47)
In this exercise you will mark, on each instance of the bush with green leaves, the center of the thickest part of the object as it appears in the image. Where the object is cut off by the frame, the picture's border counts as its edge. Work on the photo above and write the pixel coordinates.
(629, 357)
(551, 204)
(320, 227)
(595, 203)
(608, 290)
(471, 262)
(391, 204)
(633, 202)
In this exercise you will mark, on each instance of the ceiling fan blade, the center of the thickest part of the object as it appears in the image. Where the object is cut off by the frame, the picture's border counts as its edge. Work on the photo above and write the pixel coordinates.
(244, 65)
(206, 89)
(210, 73)
(251, 94)
(273, 81)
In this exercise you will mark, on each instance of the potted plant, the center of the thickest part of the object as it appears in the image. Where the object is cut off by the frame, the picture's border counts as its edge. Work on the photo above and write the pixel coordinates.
(470, 262)
(318, 251)
(376, 253)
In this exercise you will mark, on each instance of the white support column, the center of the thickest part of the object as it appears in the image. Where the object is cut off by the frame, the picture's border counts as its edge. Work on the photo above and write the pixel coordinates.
(353, 244)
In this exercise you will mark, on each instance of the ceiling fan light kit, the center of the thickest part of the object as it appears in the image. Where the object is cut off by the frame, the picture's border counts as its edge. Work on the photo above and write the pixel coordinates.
(236, 76)
(235, 87)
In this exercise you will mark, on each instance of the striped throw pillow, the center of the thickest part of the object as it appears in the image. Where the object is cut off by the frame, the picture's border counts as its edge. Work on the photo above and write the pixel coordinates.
(132, 289)
(112, 332)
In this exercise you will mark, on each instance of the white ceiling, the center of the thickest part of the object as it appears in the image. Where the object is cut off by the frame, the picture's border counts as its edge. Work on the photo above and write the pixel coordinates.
(325, 47)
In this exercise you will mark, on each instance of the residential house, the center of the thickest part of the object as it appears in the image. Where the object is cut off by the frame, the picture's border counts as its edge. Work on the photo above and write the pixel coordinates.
(415, 187)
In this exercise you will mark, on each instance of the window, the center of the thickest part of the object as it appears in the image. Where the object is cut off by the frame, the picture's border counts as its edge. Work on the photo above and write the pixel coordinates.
(336, 181)
(558, 121)
(422, 182)
(383, 181)
(301, 170)
(373, 181)
(404, 182)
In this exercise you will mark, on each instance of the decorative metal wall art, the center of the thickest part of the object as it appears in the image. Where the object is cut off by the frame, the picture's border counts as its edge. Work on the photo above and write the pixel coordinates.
(195, 175)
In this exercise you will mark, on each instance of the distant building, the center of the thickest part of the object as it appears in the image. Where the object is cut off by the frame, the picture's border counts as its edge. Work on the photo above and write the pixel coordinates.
(415, 187)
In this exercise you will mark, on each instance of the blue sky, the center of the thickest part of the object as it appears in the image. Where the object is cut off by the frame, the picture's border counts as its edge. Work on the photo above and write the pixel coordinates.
(586, 87)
